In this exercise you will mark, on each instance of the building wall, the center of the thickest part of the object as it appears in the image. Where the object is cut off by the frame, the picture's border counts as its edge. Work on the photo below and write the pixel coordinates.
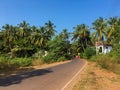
(107, 49)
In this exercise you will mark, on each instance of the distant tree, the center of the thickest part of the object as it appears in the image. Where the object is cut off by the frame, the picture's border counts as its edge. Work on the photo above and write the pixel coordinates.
(64, 35)
(50, 31)
(82, 35)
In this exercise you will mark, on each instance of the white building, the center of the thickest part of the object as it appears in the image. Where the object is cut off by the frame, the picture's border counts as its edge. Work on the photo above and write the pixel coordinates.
(103, 48)
(107, 48)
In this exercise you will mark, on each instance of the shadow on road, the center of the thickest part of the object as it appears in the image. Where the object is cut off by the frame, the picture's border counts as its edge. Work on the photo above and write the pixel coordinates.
(16, 79)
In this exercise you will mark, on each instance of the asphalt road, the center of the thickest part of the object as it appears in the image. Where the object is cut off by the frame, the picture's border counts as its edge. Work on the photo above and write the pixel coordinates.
(53, 78)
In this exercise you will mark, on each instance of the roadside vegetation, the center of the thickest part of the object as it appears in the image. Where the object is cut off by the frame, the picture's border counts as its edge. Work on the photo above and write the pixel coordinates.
(103, 70)
(23, 45)
(109, 61)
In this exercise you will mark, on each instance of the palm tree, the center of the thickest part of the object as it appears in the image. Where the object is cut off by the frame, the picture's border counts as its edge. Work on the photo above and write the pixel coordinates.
(82, 35)
(112, 23)
(24, 24)
(49, 26)
(100, 29)
(64, 34)
(23, 29)
(8, 35)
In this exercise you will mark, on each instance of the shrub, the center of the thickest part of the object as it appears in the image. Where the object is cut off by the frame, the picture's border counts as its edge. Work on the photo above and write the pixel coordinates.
(39, 54)
(89, 52)
(6, 64)
(50, 58)
(104, 61)
(11, 64)
(115, 52)
(22, 52)
(61, 59)
(68, 56)
(22, 62)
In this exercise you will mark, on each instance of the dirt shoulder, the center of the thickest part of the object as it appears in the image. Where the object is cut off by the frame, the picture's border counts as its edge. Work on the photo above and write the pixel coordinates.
(28, 69)
(95, 78)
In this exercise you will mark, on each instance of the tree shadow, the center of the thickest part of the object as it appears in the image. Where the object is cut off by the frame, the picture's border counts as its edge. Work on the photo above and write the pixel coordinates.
(16, 79)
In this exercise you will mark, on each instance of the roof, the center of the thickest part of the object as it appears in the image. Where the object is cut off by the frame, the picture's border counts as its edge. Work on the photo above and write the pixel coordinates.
(101, 43)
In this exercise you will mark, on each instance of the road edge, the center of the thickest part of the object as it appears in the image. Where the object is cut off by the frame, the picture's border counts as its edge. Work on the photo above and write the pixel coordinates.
(74, 77)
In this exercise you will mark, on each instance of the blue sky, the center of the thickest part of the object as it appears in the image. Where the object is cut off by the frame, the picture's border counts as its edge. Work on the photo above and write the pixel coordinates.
(63, 13)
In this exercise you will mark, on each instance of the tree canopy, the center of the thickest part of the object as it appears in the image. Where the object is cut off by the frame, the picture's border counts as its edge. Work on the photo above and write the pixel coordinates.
(24, 40)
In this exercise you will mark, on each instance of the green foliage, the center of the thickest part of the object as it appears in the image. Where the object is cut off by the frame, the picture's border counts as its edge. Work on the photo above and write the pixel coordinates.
(115, 52)
(8, 63)
(81, 35)
(99, 26)
(59, 47)
(22, 62)
(22, 52)
(50, 58)
(39, 54)
(89, 52)
(22, 40)
(61, 59)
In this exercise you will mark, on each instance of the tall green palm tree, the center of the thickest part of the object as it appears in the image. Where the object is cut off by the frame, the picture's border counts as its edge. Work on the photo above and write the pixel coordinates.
(112, 24)
(100, 29)
(50, 31)
(23, 29)
(8, 35)
(24, 24)
(82, 35)
(38, 37)
(65, 34)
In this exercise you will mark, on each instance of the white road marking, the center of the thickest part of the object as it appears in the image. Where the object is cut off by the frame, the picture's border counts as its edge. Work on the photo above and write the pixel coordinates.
(74, 76)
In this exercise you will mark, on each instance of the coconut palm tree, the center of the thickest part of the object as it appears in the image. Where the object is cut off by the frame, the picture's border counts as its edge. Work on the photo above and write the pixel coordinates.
(8, 35)
(64, 34)
(50, 31)
(23, 29)
(82, 35)
(100, 29)
(112, 24)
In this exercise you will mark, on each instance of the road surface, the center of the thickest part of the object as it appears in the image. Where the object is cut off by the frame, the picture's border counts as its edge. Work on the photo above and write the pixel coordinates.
(53, 78)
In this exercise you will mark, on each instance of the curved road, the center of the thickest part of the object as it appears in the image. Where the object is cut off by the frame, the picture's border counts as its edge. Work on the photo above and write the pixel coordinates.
(53, 78)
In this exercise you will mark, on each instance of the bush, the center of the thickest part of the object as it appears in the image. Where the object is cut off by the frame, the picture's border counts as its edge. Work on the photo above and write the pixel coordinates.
(8, 63)
(22, 52)
(68, 56)
(104, 61)
(22, 62)
(115, 52)
(50, 58)
(61, 59)
(89, 52)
